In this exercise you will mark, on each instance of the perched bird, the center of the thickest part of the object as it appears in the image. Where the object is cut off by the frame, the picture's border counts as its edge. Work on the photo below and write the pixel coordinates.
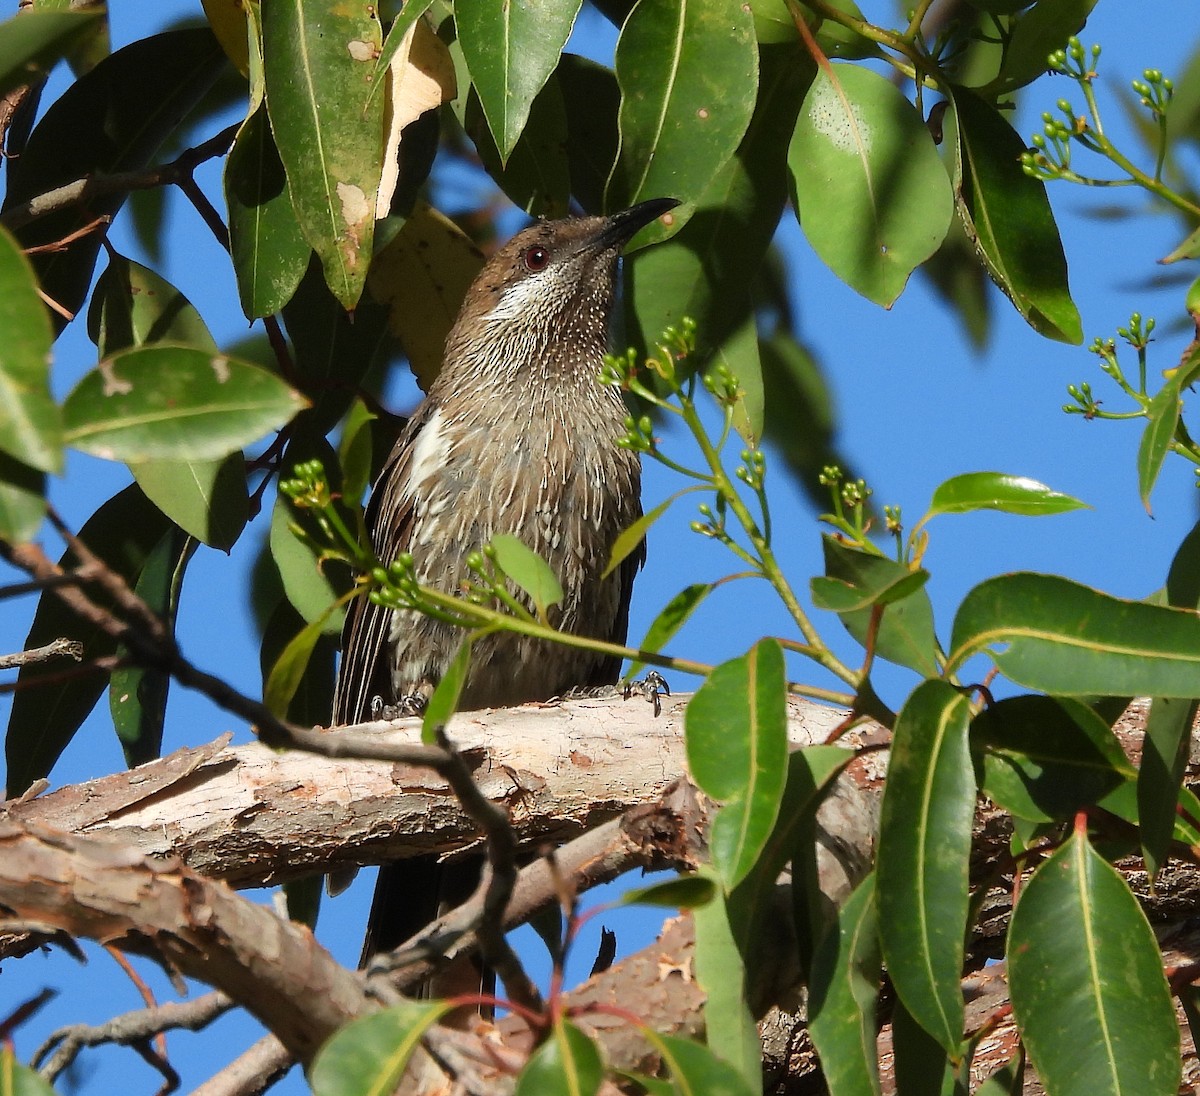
(516, 436)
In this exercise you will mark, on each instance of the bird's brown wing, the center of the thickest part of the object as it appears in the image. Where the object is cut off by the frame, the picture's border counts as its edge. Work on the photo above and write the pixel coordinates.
(364, 672)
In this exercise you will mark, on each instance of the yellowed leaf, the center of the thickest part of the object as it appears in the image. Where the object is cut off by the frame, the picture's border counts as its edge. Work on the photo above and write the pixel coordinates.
(421, 277)
(420, 77)
(228, 21)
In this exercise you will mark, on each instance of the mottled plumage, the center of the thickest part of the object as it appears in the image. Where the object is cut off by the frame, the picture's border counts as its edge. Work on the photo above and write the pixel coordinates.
(515, 436)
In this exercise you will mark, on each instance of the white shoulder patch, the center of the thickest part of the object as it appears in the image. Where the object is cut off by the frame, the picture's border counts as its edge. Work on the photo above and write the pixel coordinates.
(429, 454)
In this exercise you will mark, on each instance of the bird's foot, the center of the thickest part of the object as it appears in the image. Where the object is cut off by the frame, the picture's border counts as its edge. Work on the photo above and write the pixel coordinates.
(584, 692)
(413, 704)
(652, 688)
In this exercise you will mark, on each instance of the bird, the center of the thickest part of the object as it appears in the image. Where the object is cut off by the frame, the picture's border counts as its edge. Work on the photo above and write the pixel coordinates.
(516, 435)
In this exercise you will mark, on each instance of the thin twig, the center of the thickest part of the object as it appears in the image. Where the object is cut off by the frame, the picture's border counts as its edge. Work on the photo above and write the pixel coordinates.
(56, 648)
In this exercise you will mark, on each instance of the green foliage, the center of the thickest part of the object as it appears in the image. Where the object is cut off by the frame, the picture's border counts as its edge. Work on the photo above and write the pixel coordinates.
(326, 208)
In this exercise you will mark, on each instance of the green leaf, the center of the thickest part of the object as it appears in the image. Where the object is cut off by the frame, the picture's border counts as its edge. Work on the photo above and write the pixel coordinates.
(844, 996)
(310, 690)
(528, 570)
(30, 421)
(444, 701)
(1043, 759)
(1007, 215)
(696, 1069)
(207, 499)
(174, 403)
(19, 1080)
(1037, 33)
(739, 355)
(307, 586)
(355, 451)
(33, 41)
(22, 499)
(112, 120)
(318, 61)
(122, 532)
(409, 14)
(721, 972)
(870, 191)
(269, 252)
(1160, 776)
(1087, 982)
(906, 634)
(134, 306)
(685, 892)
(591, 99)
(921, 1064)
(873, 585)
(924, 844)
(631, 539)
(707, 268)
(511, 50)
(1057, 636)
(1162, 419)
(999, 491)
(688, 74)
(535, 174)
(673, 616)
(370, 1054)
(568, 1063)
(289, 669)
(736, 735)
(137, 695)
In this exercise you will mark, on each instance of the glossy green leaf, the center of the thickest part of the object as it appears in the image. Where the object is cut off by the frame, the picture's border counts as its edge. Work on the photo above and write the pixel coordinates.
(1162, 419)
(706, 269)
(688, 74)
(736, 738)
(695, 1069)
(1045, 27)
(920, 1063)
(844, 997)
(1007, 215)
(318, 60)
(444, 701)
(869, 188)
(269, 252)
(511, 50)
(568, 1063)
(122, 532)
(19, 1080)
(307, 586)
(206, 498)
(528, 570)
(30, 421)
(999, 491)
(673, 616)
(1043, 759)
(34, 40)
(721, 971)
(111, 120)
(1189, 248)
(738, 354)
(906, 634)
(22, 499)
(174, 403)
(1057, 636)
(137, 695)
(871, 585)
(133, 305)
(924, 845)
(536, 173)
(1087, 982)
(682, 893)
(355, 451)
(370, 1054)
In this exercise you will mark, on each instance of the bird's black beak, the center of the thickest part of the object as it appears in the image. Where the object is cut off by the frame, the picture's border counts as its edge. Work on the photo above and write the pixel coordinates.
(622, 226)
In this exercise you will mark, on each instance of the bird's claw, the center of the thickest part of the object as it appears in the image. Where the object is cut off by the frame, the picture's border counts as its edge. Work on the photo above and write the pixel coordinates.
(652, 687)
(413, 704)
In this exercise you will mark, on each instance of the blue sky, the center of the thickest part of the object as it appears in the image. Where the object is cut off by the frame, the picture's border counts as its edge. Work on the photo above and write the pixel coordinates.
(916, 404)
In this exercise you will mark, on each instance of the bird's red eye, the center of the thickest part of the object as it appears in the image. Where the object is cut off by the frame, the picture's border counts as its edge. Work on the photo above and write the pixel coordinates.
(536, 259)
